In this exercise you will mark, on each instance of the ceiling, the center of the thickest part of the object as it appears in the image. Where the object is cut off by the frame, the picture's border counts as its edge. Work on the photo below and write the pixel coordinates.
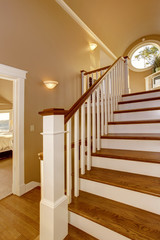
(119, 23)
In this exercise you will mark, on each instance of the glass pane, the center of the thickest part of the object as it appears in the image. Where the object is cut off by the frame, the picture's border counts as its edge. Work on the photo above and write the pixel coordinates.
(4, 122)
(144, 56)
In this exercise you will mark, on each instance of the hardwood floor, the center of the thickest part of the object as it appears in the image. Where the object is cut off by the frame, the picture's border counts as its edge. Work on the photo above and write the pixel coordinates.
(134, 223)
(77, 234)
(19, 216)
(5, 177)
(19, 219)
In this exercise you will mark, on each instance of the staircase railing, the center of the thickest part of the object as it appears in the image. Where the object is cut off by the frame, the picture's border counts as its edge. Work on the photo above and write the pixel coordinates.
(96, 106)
(89, 78)
(87, 119)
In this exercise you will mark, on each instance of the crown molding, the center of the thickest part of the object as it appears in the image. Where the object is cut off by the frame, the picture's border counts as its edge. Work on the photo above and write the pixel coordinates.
(85, 27)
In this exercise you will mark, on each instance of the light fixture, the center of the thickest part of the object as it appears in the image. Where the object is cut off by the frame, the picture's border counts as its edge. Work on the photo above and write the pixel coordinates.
(50, 84)
(92, 46)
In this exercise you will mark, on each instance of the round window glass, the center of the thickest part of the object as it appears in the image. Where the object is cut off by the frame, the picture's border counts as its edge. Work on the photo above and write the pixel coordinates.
(144, 56)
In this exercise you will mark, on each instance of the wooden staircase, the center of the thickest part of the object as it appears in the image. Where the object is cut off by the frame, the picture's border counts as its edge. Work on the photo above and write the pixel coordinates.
(120, 197)
(113, 183)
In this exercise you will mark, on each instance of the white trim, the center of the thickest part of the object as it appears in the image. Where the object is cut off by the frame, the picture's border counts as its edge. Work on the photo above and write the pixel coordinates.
(31, 185)
(94, 229)
(28, 187)
(84, 26)
(53, 133)
(56, 203)
(18, 77)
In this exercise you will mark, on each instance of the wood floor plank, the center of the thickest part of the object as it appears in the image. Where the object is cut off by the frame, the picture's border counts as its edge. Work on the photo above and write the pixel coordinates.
(134, 223)
(20, 214)
(142, 156)
(135, 182)
(136, 136)
(77, 234)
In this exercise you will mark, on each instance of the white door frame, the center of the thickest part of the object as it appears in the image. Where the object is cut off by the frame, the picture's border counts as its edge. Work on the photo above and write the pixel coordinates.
(18, 77)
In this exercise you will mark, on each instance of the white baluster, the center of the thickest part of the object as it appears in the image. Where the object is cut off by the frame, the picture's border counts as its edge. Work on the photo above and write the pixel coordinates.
(89, 133)
(69, 161)
(92, 79)
(116, 84)
(98, 120)
(76, 154)
(82, 79)
(93, 122)
(121, 67)
(109, 97)
(111, 85)
(87, 81)
(83, 139)
(126, 74)
(102, 111)
(105, 104)
(119, 80)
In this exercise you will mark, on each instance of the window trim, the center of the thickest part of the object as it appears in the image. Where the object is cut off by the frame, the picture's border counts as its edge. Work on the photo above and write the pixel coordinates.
(136, 47)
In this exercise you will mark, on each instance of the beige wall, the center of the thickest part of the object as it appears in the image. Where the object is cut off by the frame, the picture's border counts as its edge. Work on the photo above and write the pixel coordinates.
(137, 80)
(38, 36)
(6, 90)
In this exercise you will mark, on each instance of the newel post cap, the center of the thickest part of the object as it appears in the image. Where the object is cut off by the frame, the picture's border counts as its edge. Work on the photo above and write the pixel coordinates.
(53, 111)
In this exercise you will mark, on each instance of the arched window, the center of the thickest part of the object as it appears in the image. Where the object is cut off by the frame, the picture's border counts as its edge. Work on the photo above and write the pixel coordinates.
(142, 56)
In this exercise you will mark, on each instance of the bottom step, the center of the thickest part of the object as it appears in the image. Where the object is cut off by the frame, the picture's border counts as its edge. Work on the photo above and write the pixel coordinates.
(76, 234)
(108, 219)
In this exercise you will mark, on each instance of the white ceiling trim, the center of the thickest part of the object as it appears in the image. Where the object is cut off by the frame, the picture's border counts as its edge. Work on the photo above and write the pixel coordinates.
(84, 26)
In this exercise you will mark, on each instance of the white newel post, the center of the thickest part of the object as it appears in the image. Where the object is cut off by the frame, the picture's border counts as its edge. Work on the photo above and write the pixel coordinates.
(54, 203)
(126, 76)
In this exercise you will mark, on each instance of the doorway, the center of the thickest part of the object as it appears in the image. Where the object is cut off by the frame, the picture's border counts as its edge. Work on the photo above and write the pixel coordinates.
(6, 137)
(17, 76)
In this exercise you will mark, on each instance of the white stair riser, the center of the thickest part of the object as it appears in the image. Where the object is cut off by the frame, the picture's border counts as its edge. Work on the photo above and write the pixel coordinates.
(131, 144)
(143, 168)
(143, 115)
(132, 198)
(138, 105)
(94, 229)
(141, 96)
(134, 128)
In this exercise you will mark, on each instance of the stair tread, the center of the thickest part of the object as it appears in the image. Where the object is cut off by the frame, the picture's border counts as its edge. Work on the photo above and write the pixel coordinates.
(134, 122)
(136, 182)
(139, 100)
(142, 156)
(142, 92)
(137, 136)
(129, 221)
(137, 110)
(77, 234)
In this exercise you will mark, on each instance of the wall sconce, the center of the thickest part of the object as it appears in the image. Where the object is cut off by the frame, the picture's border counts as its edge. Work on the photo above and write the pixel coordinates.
(50, 84)
(92, 46)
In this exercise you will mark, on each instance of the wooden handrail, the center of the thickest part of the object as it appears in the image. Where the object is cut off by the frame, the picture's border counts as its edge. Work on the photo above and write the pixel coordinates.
(96, 70)
(83, 98)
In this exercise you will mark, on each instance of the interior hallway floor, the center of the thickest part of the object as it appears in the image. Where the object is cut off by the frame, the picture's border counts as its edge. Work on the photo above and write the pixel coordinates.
(19, 216)
(5, 177)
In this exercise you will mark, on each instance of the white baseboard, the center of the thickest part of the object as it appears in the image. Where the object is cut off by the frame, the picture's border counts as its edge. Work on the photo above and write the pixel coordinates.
(28, 187)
